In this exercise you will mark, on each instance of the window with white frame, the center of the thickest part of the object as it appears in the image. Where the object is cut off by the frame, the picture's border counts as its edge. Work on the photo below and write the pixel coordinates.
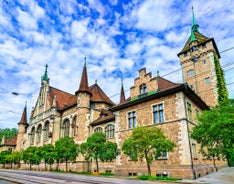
(143, 89)
(39, 131)
(189, 110)
(74, 126)
(66, 126)
(158, 113)
(163, 155)
(207, 80)
(46, 133)
(132, 119)
(190, 73)
(98, 129)
(110, 131)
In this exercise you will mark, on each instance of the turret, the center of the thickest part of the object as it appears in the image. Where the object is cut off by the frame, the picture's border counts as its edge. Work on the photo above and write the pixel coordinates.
(122, 94)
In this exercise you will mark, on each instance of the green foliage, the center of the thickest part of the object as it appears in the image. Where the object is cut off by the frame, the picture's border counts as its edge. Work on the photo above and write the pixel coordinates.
(15, 157)
(9, 133)
(148, 143)
(66, 150)
(97, 147)
(215, 132)
(32, 155)
(147, 177)
(221, 85)
(4, 157)
(48, 154)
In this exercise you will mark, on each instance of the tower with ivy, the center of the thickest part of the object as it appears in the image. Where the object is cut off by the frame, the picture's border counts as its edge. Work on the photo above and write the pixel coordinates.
(201, 68)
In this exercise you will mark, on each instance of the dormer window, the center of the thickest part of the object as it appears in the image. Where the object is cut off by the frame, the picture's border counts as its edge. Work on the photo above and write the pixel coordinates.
(143, 89)
(193, 48)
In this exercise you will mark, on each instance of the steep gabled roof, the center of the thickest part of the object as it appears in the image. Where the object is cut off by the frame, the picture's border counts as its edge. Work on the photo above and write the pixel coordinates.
(23, 119)
(200, 38)
(164, 83)
(63, 99)
(98, 95)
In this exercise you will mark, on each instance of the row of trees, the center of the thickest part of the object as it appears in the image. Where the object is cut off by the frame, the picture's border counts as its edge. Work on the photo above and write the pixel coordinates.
(144, 143)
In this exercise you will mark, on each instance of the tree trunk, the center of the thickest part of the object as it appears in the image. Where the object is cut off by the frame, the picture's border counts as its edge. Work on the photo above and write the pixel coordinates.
(30, 166)
(66, 164)
(148, 164)
(216, 169)
(45, 166)
(97, 165)
(57, 165)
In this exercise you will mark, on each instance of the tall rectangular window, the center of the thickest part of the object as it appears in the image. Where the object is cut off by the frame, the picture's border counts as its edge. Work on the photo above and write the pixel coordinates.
(158, 113)
(132, 119)
(189, 110)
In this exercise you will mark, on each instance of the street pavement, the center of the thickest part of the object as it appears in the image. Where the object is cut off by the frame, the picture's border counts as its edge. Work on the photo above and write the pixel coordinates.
(223, 176)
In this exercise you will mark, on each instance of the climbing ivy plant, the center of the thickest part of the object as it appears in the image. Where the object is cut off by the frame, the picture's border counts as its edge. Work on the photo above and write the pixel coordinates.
(221, 85)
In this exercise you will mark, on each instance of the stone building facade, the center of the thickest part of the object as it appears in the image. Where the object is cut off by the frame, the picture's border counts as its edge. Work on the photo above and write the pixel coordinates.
(153, 101)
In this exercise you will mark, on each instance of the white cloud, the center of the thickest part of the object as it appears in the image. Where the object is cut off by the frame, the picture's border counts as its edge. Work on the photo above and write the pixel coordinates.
(26, 20)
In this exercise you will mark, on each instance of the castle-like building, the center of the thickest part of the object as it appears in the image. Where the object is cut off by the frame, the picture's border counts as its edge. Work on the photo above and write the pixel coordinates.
(153, 101)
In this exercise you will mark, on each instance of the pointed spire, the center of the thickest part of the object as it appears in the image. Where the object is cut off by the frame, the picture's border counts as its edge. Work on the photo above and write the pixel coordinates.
(195, 26)
(45, 76)
(122, 94)
(192, 37)
(84, 87)
(24, 116)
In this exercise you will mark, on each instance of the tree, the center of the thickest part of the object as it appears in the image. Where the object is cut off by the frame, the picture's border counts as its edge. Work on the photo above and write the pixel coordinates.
(97, 147)
(66, 149)
(215, 132)
(4, 157)
(14, 158)
(85, 150)
(148, 143)
(48, 154)
(32, 156)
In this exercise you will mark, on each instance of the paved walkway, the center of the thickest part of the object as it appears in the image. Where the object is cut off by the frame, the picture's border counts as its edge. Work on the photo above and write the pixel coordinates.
(223, 176)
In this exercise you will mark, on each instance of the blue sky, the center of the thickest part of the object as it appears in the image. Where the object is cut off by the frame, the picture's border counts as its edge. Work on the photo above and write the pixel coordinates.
(117, 37)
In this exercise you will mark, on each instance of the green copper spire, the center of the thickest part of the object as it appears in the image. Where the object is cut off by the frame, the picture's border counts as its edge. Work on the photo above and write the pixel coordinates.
(195, 26)
(192, 37)
(45, 76)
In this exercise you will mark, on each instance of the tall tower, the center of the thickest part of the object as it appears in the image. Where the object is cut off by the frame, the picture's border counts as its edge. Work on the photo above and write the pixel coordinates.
(83, 105)
(197, 59)
(22, 127)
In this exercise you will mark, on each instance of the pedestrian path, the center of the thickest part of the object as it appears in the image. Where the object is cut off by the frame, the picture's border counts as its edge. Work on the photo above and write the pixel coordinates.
(223, 176)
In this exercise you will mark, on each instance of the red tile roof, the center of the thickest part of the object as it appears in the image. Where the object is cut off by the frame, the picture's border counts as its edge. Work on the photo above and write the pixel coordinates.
(23, 119)
(63, 99)
(11, 141)
(98, 95)
(164, 83)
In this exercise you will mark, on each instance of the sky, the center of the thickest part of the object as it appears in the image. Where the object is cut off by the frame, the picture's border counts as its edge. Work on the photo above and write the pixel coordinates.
(117, 37)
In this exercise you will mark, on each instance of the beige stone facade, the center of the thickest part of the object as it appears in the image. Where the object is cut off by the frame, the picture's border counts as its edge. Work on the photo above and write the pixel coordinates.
(153, 101)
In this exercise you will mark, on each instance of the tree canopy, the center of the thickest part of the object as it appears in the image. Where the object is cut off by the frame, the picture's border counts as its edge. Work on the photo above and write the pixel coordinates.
(215, 132)
(66, 149)
(32, 156)
(97, 147)
(148, 143)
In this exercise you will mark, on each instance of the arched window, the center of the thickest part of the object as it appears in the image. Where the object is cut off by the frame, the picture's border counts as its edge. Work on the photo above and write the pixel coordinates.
(39, 130)
(98, 129)
(46, 133)
(66, 126)
(32, 136)
(143, 89)
(110, 131)
(74, 126)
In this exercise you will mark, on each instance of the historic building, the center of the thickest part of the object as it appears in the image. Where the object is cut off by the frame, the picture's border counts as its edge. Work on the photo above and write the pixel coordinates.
(153, 101)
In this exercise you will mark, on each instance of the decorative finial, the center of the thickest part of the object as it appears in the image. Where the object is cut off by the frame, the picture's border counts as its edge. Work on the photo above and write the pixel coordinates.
(26, 103)
(96, 81)
(45, 76)
(158, 73)
(195, 26)
(85, 60)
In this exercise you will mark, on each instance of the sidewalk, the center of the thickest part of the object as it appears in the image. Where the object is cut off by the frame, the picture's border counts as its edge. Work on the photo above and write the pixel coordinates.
(223, 176)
